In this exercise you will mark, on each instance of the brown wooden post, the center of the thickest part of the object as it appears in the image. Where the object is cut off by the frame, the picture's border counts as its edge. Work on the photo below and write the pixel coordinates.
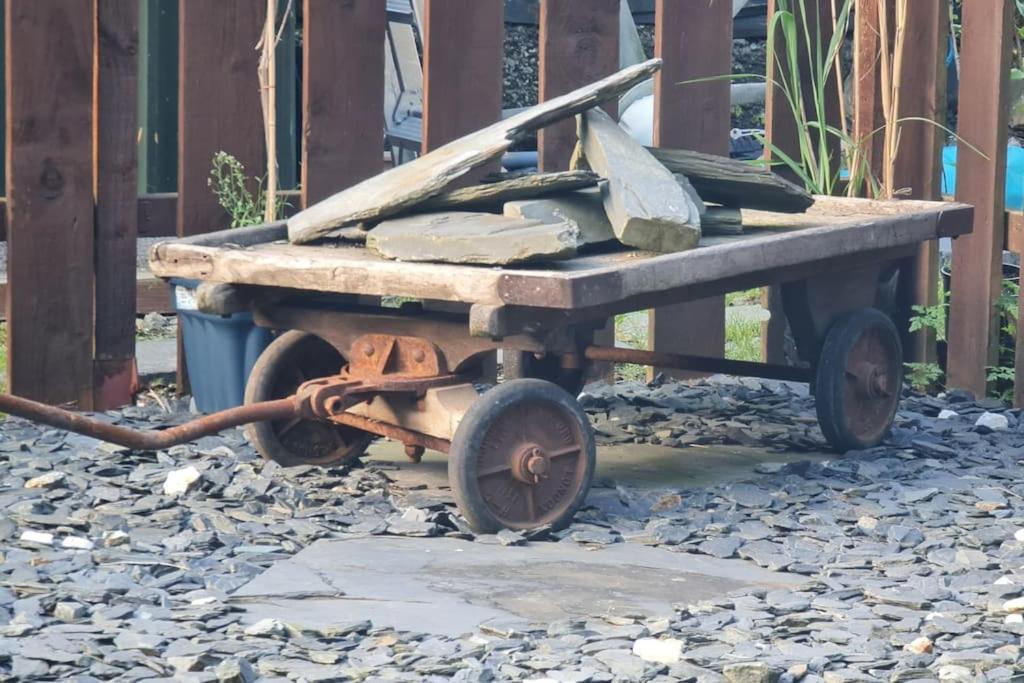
(695, 41)
(462, 70)
(977, 257)
(867, 112)
(342, 95)
(116, 42)
(781, 130)
(919, 160)
(579, 44)
(218, 107)
(49, 67)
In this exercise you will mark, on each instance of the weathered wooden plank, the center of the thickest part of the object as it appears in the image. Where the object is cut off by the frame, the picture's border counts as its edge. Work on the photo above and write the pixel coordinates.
(462, 71)
(832, 229)
(645, 204)
(399, 188)
(219, 103)
(49, 83)
(473, 238)
(919, 163)
(116, 43)
(977, 272)
(728, 182)
(342, 95)
(493, 195)
(579, 43)
(694, 39)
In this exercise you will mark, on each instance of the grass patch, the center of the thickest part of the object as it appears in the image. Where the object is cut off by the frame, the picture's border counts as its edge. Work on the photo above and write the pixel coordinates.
(744, 298)
(743, 339)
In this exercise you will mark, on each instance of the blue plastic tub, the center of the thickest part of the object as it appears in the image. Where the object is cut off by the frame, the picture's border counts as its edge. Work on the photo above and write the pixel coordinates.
(219, 350)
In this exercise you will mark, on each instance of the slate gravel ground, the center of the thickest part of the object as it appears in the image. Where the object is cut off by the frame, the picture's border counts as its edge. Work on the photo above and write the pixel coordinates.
(912, 554)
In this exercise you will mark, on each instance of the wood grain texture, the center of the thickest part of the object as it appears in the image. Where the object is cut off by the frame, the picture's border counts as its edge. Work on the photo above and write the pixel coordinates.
(49, 63)
(462, 71)
(342, 95)
(919, 163)
(695, 41)
(867, 112)
(579, 43)
(116, 83)
(219, 102)
(977, 272)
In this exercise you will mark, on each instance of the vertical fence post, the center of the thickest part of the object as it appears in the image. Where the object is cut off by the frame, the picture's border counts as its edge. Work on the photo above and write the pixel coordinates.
(462, 70)
(919, 161)
(579, 44)
(49, 160)
(117, 61)
(977, 257)
(218, 108)
(342, 95)
(695, 41)
(781, 131)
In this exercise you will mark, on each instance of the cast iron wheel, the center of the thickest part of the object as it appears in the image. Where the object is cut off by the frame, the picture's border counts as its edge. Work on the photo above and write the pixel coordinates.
(525, 365)
(858, 380)
(291, 359)
(522, 457)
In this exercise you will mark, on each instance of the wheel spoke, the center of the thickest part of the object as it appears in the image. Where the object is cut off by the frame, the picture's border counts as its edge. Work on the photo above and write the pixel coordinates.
(490, 471)
(568, 450)
(531, 510)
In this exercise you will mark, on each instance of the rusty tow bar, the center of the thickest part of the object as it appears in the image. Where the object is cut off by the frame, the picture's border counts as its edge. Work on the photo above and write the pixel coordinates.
(149, 440)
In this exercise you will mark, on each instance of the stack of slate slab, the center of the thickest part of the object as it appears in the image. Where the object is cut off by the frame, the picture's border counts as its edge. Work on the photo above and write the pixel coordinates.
(617, 192)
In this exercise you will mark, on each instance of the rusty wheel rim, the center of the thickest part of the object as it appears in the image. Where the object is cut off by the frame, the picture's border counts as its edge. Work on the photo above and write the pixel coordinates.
(317, 443)
(871, 386)
(532, 464)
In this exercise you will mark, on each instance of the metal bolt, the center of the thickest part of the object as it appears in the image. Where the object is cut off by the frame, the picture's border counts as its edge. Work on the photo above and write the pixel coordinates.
(368, 350)
(418, 355)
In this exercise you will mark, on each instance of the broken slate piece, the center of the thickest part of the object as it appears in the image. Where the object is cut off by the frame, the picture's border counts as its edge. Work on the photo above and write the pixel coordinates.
(493, 195)
(583, 208)
(45, 481)
(474, 238)
(645, 204)
(404, 186)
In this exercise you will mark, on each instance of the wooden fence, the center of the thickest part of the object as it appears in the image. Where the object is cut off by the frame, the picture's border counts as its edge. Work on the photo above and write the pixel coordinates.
(73, 210)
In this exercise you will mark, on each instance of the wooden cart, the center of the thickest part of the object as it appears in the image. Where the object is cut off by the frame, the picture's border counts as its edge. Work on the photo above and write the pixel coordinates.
(522, 453)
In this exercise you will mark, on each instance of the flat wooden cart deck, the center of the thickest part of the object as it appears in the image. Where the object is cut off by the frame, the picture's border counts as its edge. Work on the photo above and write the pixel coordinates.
(522, 453)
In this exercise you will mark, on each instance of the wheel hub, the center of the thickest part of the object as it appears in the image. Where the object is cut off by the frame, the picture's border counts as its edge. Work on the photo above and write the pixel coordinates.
(531, 465)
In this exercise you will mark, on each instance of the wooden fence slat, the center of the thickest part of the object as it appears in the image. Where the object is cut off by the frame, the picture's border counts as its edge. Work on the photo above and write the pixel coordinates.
(462, 70)
(578, 44)
(116, 202)
(867, 111)
(919, 161)
(342, 95)
(695, 41)
(218, 108)
(49, 65)
(781, 131)
(977, 257)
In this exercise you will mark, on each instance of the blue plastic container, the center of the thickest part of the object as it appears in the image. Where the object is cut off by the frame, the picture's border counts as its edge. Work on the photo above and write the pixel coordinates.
(219, 350)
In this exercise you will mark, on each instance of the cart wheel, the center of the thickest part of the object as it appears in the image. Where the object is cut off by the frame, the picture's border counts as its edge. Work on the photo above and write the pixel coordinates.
(522, 457)
(858, 380)
(525, 365)
(291, 359)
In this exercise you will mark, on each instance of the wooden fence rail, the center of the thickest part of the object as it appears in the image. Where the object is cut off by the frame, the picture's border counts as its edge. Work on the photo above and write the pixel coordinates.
(72, 213)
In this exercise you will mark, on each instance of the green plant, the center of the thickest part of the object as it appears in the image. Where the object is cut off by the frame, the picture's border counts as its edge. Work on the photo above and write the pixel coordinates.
(230, 185)
(931, 318)
(1006, 306)
(1001, 379)
(923, 376)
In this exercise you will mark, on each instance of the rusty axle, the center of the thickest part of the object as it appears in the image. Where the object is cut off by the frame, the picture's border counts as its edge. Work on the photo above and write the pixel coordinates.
(697, 363)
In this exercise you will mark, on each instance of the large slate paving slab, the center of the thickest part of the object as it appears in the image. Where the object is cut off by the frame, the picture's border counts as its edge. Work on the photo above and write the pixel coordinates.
(450, 586)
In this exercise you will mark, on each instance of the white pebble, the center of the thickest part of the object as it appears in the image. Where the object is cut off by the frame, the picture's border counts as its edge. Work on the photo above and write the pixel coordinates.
(993, 421)
(1004, 581)
(662, 651)
(114, 538)
(1019, 535)
(1014, 605)
(77, 543)
(40, 537)
(946, 414)
(45, 481)
(919, 646)
(265, 627)
(1014, 619)
(180, 481)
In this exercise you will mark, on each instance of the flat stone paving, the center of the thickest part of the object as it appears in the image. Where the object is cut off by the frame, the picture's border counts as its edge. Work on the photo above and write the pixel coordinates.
(450, 586)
